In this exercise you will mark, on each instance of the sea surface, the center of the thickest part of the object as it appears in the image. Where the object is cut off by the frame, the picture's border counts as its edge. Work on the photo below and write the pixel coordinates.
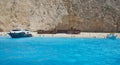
(59, 51)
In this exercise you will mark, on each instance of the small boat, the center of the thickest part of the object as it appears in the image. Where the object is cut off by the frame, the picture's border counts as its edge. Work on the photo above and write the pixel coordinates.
(20, 33)
(111, 36)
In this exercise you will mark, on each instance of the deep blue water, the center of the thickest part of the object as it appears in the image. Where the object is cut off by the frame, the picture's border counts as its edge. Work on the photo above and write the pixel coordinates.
(59, 51)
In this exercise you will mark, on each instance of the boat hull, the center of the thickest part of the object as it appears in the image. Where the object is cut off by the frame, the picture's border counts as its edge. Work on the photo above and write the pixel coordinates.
(19, 35)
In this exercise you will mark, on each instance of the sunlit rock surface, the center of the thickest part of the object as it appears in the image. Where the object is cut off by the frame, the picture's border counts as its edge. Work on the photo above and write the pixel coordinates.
(84, 15)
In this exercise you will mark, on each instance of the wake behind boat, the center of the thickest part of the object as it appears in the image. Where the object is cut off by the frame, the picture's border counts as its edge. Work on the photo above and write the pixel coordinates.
(20, 33)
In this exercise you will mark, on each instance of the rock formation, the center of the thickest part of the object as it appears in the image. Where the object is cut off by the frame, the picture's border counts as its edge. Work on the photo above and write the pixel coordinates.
(84, 15)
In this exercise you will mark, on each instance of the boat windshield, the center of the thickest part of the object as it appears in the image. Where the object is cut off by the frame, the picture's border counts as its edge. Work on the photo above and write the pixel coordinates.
(15, 30)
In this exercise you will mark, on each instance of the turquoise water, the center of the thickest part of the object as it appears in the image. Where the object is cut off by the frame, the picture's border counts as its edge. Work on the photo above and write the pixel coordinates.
(59, 51)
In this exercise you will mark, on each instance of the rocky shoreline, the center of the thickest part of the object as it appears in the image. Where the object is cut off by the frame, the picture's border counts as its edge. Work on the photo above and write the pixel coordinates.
(83, 15)
(81, 35)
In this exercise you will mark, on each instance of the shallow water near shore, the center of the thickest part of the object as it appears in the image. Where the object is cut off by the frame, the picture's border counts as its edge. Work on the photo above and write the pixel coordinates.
(59, 51)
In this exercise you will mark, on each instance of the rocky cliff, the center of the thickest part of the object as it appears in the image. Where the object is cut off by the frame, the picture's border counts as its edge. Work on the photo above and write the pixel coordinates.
(84, 15)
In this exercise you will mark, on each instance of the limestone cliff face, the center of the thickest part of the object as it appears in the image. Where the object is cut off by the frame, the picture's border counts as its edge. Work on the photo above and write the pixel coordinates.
(84, 15)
